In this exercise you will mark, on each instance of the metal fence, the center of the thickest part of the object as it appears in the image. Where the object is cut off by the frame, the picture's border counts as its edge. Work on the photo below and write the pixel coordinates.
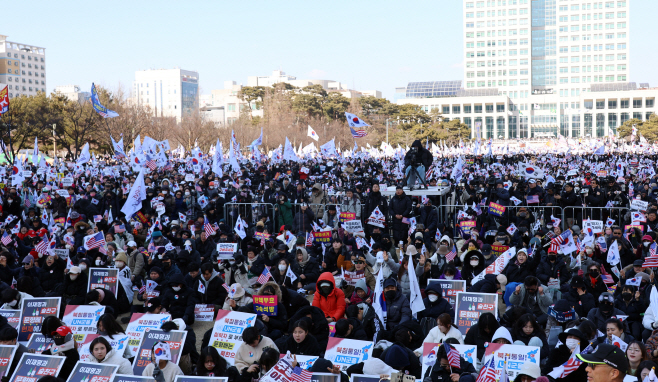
(577, 213)
(249, 212)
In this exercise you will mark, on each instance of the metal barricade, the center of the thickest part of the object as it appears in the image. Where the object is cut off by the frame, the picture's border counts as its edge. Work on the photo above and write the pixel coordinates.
(249, 212)
(577, 213)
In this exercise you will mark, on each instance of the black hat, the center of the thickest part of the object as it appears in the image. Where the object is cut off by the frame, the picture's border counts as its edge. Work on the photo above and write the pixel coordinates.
(571, 332)
(606, 354)
(486, 249)
(281, 247)
(152, 304)
(638, 263)
(578, 282)
(398, 187)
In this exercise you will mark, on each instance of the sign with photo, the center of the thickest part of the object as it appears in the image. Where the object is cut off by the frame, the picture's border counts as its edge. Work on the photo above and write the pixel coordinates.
(470, 307)
(106, 278)
(345, 352)
(175, 339)
(31, 367)
(139, 323)
(13, 317)
(97, 371)
(34, 312)
(82, 319)
(227, 332)
(449, 289)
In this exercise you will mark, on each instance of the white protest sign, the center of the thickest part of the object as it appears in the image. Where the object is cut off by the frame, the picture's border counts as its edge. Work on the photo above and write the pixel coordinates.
(226, 250)
(345, 352)
(352, 226)
(597, 226)
(67, 182)
(189, 177)
(227, 333)
(639, 205)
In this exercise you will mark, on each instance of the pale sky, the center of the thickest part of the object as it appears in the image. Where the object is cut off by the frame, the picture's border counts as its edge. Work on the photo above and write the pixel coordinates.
(368, 45)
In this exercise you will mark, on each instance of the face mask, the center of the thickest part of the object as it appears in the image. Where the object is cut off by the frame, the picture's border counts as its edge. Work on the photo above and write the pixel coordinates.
(119, 264)
(98, 262)
(101, 332)
(552, 258)
(449, 277)
(211, 187)
(522, 214)
(390, 295)
(282, 267)
(187, 193)
(166, 265)
(418, 245)
(627, 296)
(13, 303)
(73, 277)
(474, 263)
(433, 297)
(549, 226)
(594, 273)
(605, 308)
(176, 289)
(83, 266)
(572, 343)
(646, 243)
(165, 192)
(326, 290)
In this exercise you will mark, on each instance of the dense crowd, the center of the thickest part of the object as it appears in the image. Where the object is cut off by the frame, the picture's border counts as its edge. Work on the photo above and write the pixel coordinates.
(598, 300)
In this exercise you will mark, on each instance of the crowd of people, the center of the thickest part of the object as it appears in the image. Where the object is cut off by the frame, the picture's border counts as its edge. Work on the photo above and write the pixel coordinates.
(598, 301)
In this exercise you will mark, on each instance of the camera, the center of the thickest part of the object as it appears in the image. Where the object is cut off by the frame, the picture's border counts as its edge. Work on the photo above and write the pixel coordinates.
(491, 181)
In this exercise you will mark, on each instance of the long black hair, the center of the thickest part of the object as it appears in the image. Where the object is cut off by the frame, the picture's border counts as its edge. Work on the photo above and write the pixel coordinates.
(49, 325)
(110, 325)
(220, 363)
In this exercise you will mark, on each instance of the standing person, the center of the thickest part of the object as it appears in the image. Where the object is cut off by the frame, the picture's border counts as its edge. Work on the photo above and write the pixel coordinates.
(400, 207)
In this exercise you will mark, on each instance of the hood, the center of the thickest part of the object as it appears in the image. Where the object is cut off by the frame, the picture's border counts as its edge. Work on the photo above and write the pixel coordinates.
(490, 277)
(214, 274)
(417, 144)
(361, 284)
(436, 287)
(305, 257)
(108, 356)
(276, 288)
(474, 252)
(177, 279)
(327, 276)
(81, 224)
(502, 332)
(446, 238)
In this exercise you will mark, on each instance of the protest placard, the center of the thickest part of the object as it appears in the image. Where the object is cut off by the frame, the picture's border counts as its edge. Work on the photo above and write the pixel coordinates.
(67, 182)
(39, 343)
(34, 311)
(204, 312)
(347, 216)
(131, 378)
(597, 226)
(175, 339)
(449, 289)
(353, 226)
(466, 226)
(470, 307)
(430, 349)
(105, 278)
(516, 356)
(82, 319)
(98, 372)
(227, 332)
(323, 377)
(13, 317)
(322, 237)
(345, 352)
(639, 205)
(496, 209)
(139, 322)
(61, 253)
(261, 236)
(497, 250)
(226, 250)
(306, 361)
(31, 367)
(7, 353)
(351, 277)
(82, 342)
(266, 305)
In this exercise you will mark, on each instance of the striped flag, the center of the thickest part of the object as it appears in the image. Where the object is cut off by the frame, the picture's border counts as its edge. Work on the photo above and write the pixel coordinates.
(300, 375)
(360, 133)
(42, 247)
(262, 279)
(6, 239)
(488, 372)
(94, 241)
(207, 227)
(649, 262)
(452, 254)
(607, 279)
(532, 199)
(142, 289)
(453, 356)
(652, 249)
(151, 164)
(309, 239)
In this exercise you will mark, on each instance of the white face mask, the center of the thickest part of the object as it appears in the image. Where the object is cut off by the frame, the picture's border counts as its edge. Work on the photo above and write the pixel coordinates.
(73, 277)
(187, 193)
(572, 343)
(211, 187)
(13, 303)
(646, 243)
(282, 267)
(449, 277)
(165, 192)
(119, 264)
(474, 263)
(83, 266)
(98, 262)
(176, 289)
(433, 297)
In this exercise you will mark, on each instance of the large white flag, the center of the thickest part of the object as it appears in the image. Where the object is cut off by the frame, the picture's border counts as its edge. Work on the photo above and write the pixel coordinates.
(312, 133)
(84, 156)
(17, 173)
(529, 170)
(35, 151)
(289, 152)
(497, 266)
(135, 197)
(380, 309)
(240, 227)
(416, 301)
(218, 159)
(329, 149)
(613, 254)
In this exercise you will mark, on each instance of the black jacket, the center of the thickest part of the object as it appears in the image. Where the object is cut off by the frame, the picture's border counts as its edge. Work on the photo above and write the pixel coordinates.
(547, 270)
(440, 306)
(486, 285)
(319, 328)
(309, 346)
(582, 304)
(180, 304)
(311, 271)
(423, 155)
(214, 294)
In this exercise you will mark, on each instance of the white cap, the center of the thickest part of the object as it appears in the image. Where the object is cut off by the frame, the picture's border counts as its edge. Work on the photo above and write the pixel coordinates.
(131, 243)
(75, 270)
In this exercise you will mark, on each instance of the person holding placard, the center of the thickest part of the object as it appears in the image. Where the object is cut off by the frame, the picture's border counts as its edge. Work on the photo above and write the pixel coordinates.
(300, 341)
(212, 364)
(102, 352)
(161, 368)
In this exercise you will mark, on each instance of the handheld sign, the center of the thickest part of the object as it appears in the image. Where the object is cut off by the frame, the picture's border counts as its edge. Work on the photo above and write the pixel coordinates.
(266, 305)
(13, 317)
(34, 312)
(82, 319)
(345, 352)
(449, 289)
(227, 332)
(470, 307)
(175, 339)
(31, 367)
(99, 372)
(105, 278)
(139, 323)
(7, 353)
(225, 251)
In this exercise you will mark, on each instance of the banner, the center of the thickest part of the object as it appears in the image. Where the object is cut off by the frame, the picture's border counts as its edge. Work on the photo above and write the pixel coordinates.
(449, 289)
(496, 209)
(497, 250)
(345, 352)
(322, 237)
(189, 378)
(39, 343)
(139, 322)
(471, 305)
(466, 226)
(639, 205)
(99, 372)
(204, 312)
(175, 339)
(266, 305)
(261, 236)
(7, 353)
(347, 216)
(31, 367)
(353, 226)
(226, 250)
(467, 352)
(105, 278)
(627, 227)
(597, 225)
(34, 311)
(13, 317)
(351, 277)
(282, 371)
(82, 319)
(227, 332)
(516, 356)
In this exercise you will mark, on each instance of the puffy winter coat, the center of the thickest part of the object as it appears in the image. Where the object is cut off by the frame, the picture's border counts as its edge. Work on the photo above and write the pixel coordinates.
(398, 311)
(440, 306)
(214, 292)
(114, 358)
(333, 304)
(180, 304)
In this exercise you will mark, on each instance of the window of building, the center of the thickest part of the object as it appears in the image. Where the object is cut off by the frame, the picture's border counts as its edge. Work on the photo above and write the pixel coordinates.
(612, 104)
(650, 102)
(467, 109)
(446, 110)
(478, 109)
(637, 115)
(456, 109)
(623, 104)
(637, 103)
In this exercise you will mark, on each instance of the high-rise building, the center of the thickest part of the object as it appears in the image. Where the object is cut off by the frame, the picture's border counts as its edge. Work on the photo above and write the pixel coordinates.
(168, 92)
(22, 68)
(525, 47)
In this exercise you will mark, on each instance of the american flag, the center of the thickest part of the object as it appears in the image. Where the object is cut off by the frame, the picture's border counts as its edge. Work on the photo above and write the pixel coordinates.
(28, 203)
(151, 164)
(452, 254)
(262, 279)
(358, 133)
(207, 227)
(300, 375)
(652, 249)
(309, 239)
(607, 279)
(142, 289)
(453, 356)
(532, 199)
(571, 365)
(42, 247)
(649, 262)
(225, 287)
(6, 239)
(94, 241)
(119, 228)
(488, 372)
